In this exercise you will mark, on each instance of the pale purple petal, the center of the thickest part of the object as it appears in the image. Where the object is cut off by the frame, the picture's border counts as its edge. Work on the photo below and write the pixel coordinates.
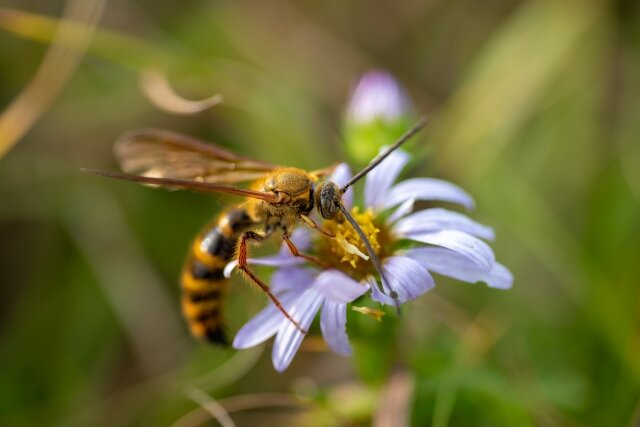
(500, 277)
(341, 175)
(426, 189)
(407, 277)
(338, 287)
(379, 180)
(289, 338)
(401, 211)
(448, 263)
(301, 237)
(259, 329)
(473, 248)
(292, 278)
(264, 324)
(228, 269)
(377, 95)
(452, 264)
(279, 260)
(437, 219)
(376, 293)
(333, 322)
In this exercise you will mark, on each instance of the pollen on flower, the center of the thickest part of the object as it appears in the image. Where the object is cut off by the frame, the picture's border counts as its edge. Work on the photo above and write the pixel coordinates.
(371, 312)
(350, 249)
(346, 251)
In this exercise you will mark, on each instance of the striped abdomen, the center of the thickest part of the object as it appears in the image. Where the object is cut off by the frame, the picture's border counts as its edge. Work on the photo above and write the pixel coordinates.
(203, 281)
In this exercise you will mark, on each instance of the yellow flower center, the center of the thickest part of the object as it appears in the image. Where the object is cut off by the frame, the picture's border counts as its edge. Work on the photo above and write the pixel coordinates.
(346, 251)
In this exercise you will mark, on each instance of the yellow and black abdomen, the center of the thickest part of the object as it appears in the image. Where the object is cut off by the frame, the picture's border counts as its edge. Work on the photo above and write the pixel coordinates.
(203, 283)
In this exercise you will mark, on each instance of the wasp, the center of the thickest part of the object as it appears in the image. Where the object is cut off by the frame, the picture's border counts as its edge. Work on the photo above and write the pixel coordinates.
(277, 200)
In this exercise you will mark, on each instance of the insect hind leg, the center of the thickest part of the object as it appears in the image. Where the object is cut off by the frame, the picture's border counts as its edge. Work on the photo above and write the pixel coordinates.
(242, 266)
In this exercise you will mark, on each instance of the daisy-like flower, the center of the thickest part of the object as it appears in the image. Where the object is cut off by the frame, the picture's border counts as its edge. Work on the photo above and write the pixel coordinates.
(410, 245)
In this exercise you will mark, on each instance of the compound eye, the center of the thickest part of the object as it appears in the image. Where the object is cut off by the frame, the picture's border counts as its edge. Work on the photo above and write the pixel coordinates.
(328, 199)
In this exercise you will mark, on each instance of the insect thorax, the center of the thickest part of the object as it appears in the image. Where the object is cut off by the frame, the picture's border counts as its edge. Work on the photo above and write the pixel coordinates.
(296, 188)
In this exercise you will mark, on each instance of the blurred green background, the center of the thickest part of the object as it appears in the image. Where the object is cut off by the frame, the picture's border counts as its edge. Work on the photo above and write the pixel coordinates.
(534, 109)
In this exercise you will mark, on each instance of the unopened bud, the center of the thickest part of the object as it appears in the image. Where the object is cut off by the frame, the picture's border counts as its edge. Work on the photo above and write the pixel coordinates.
(378, 113)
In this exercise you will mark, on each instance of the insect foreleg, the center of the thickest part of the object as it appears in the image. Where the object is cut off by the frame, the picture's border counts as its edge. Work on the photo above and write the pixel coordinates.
(295, 252)
(311, 223)
(242, 266)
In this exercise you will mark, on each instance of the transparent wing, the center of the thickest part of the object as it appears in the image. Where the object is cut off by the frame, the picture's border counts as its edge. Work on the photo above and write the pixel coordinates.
(164, 154)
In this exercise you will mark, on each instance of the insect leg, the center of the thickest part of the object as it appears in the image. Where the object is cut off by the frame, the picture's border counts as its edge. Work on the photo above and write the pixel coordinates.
(242, 266)
(295, 252)
(311, 223)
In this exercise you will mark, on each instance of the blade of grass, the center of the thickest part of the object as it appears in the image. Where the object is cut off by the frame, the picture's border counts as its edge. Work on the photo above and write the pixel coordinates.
(125, 50)
(504, 86)
(57, 67)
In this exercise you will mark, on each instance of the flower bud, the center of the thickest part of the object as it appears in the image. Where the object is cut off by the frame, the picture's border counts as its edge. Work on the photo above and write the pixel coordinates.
(379, 112)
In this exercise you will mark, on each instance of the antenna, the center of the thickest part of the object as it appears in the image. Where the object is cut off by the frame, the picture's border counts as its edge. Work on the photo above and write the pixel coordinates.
(374, 258)
(380, 157)
(372, 164)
